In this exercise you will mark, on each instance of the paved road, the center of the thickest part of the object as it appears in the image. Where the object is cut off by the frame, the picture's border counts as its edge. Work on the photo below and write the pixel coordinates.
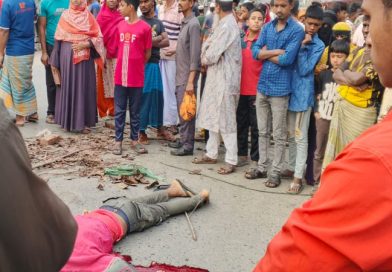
(233, 230)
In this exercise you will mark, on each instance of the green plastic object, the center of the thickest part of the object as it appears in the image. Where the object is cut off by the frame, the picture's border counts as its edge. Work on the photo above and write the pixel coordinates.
(130, 170)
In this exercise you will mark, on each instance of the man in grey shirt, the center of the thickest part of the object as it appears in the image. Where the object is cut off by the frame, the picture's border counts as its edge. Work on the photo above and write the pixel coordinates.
(188, 66)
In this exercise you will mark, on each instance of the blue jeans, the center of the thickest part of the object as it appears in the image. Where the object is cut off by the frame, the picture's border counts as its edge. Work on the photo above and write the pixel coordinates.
(121, 97)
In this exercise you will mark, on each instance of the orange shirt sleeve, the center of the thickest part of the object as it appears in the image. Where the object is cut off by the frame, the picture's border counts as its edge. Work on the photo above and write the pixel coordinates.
(346, 226)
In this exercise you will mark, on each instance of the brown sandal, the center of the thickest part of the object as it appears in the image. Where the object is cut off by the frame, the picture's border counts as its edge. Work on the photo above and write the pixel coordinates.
(204, 160)
(143, 138)
(227, 169)
(166, 135)
(50, 119)
(33, 118)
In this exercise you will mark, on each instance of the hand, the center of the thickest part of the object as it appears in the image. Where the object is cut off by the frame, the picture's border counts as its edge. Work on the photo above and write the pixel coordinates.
(317, 115)
(80, 46)
(321, 67)
(307, 39)
(45, 59)
(190, 89)
(280, 52)
(170, 53)
(318, 97)
(1, 60)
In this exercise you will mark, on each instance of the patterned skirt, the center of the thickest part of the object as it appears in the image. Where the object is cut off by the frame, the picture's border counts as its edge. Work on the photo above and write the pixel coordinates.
(16, 85)
(151, 113)
(348, 122)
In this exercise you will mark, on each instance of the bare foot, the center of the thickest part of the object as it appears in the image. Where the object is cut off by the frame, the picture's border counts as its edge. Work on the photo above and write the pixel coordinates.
(205, 195)
(175, 190)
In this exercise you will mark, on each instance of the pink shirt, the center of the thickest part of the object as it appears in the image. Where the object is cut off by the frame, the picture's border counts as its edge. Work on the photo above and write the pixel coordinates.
(134, 40)
(93, 249)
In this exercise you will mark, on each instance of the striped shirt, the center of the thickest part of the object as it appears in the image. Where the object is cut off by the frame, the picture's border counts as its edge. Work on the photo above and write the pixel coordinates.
(171, 20)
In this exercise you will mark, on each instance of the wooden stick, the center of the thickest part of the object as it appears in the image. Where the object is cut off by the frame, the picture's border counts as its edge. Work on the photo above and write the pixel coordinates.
(194, 237)
(58, 158)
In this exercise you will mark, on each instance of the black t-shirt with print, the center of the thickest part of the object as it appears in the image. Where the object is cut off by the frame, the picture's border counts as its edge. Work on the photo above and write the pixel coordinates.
(157, 29)
(327, 89)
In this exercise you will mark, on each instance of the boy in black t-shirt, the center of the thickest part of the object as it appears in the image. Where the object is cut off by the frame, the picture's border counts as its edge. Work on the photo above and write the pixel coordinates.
(326, 93)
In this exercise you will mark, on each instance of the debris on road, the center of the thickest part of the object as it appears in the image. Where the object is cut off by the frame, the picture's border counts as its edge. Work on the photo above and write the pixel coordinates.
(195, 172)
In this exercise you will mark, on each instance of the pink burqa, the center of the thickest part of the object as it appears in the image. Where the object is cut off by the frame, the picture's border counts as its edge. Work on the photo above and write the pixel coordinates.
(108, 20)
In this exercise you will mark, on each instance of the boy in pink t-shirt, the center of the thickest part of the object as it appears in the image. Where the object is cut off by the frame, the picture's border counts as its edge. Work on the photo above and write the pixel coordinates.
(134, 50)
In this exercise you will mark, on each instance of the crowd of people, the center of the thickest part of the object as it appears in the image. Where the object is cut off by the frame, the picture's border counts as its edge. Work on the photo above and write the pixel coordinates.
(269, 73)
(288, 83)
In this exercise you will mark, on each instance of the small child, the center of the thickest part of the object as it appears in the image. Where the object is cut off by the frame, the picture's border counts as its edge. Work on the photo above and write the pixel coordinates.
(326, 93)
(246, 111)
(134, 50)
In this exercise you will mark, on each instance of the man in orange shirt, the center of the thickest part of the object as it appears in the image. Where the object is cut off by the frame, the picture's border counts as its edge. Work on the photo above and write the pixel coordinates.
(347, 226)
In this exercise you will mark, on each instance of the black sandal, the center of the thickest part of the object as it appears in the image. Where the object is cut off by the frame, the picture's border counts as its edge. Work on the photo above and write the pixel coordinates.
(254, 173)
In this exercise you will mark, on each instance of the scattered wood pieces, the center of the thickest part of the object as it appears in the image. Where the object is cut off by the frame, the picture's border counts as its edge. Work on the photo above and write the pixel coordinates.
(195, 172)
(58, 158)
(194, 237)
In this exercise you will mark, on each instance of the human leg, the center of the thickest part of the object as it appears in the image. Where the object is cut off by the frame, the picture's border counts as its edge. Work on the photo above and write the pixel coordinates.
(254, 131)
(121, 101)
(135, 99)
(291, 122)
(50, 86)
(168, 72)
(279, 107)
(230, 141)
(213, 145)
(242, 126)
(263, 111)
(322, 126)
(301, 140)
(187, 128)
(143, 212)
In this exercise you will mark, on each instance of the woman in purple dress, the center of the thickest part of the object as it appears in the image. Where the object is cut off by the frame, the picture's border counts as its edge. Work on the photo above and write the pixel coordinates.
(78, 43)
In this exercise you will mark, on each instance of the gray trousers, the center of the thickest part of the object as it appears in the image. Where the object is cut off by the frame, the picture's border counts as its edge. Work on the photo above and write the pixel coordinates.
(187, 128)
(275, 107)
(150, 210)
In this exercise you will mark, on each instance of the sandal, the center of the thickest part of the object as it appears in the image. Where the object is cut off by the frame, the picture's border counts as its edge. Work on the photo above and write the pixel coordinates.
(242, 161)
(50, 119)
(295, 188)
(189, 192)
(143, 139)
(86, 130)
(273, 182)
(227, 169)
(165, 135)
(254, 173)
(117, 150)
(33, 118)
(139, 149)
(204, 160)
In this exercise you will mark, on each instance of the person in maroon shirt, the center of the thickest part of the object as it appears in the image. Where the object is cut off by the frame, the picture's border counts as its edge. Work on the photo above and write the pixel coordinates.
(347, 225)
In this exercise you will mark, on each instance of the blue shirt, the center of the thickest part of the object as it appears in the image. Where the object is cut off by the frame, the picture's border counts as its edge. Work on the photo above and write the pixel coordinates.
(17, 16)
(302, 97)
(275, 79)
(94, 8)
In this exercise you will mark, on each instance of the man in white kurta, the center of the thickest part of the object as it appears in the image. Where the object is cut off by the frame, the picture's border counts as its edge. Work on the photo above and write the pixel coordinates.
(221, 53)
